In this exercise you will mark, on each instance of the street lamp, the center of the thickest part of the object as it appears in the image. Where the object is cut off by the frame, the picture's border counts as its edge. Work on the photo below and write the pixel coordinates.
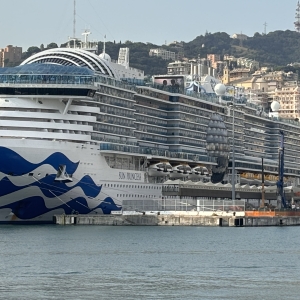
(233, 156)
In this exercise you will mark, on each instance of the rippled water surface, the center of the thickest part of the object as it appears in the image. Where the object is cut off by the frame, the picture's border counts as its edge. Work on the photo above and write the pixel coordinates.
(94, 262)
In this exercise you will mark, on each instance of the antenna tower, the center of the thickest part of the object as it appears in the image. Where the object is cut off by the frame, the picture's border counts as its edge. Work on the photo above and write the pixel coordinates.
(297, 23)
(74, 20)
(265, 24)
(104, 44)
(241, 39)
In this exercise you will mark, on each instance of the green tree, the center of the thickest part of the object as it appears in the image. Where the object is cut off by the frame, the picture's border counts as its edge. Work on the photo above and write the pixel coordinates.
(33, 50)
(52, 45)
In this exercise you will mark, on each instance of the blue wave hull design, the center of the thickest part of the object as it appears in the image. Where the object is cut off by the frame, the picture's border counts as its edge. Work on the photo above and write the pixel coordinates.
(31, 207)
(11, 163)
(51, 188)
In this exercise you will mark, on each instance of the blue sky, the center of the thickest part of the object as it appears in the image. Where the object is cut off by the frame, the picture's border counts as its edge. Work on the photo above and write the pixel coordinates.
(33, 22)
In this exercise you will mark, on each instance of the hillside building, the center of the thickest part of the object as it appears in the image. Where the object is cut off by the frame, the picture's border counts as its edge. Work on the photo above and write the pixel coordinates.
(10, 56)
(226, 76)
(239, 73)
(164, 54)
(176, 44)
(243, 62)
(179, 68)
(229, 57)
(193, 67)
(220, 65)
(239, 36)
(289, 99)
(214, 58)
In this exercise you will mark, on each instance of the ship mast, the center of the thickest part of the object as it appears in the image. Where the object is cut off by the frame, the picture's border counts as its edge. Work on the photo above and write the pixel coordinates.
(74, 20)
(73, 38)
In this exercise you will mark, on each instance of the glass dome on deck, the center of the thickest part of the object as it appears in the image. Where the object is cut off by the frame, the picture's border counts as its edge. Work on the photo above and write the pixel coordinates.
(47, 69)
(73, 57)
(45, 73)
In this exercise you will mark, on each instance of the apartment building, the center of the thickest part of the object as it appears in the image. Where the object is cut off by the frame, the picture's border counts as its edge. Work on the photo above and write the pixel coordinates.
(164, 54)
(289, 99)
(214, 59)
(10, 56)
(244, 62)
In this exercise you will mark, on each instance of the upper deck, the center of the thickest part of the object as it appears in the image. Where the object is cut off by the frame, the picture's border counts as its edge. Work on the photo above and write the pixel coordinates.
(46, 74)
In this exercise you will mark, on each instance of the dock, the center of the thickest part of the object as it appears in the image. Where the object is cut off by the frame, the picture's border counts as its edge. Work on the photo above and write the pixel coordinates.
(223, 219)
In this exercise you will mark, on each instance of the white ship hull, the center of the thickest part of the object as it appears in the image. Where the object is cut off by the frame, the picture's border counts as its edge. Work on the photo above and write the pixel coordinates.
(29, 192)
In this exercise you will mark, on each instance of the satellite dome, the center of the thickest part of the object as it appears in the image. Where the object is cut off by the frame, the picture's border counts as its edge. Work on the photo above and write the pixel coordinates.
(220, 89)
(105, 56)
(275, 106)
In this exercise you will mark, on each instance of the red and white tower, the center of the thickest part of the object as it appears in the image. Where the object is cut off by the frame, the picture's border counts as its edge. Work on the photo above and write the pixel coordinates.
(297, 23)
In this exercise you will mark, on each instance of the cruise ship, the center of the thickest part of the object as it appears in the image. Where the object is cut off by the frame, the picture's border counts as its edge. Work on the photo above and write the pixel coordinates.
(83, 134)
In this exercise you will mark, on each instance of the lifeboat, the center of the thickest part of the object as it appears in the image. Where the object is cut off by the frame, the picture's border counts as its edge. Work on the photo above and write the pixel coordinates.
(198, 172)
(181, 171)
(160, 169)
(245, 180)
(270, 180)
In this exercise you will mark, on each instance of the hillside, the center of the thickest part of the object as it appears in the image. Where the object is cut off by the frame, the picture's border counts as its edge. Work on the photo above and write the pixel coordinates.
(277, 48)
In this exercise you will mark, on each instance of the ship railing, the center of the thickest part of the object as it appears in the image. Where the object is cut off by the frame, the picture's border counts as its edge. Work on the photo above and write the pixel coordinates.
(179, 204)
(47, 79)
(118, 142)
(215, 99)
(155, 152)
(180, 90)
(170, 188)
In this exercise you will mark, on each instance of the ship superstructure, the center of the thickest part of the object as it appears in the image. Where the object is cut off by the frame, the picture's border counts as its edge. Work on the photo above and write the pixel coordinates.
(76, 138)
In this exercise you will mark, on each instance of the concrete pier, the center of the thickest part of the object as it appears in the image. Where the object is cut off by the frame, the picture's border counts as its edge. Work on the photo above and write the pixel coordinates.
(140, 220)
(177, 220)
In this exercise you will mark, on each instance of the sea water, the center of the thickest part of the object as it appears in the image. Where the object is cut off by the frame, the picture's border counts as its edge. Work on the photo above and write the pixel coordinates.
(95, 262)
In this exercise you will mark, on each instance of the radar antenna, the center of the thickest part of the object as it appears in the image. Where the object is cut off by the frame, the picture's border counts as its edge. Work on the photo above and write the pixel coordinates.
(104, 44)
(86, 33)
